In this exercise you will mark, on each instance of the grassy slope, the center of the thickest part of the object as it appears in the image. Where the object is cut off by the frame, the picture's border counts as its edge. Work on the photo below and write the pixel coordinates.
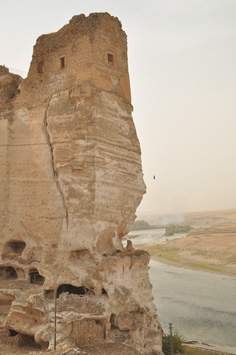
(191, 351)
(162, 251)
(211, 249)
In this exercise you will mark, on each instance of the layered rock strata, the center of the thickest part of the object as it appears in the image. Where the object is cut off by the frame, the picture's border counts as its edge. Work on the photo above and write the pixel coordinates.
(70, 183)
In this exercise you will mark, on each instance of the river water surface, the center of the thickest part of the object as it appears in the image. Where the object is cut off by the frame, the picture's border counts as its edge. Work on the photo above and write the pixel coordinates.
(151, 236)
(201, 305)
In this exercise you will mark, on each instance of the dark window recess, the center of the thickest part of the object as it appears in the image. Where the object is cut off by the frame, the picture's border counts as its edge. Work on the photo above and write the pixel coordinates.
(77, 254)
(12, 333)
(73, 289)
(49, 294)
(113, 321)
(16, 247)
(8, 272)
(40, 66)
(62, 62)
(104, 292)
(110, 59)
(35, 277)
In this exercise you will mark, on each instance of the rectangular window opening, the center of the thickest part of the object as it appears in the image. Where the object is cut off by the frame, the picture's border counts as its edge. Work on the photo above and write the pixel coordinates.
(110, 59)
(40, 67)
(62, 62)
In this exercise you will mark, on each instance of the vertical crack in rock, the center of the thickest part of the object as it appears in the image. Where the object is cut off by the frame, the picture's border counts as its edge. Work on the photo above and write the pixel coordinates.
(55, 173)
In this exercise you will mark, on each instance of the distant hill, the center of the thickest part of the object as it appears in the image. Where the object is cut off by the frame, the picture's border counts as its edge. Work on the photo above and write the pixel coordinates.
(140, 225)
(203, 218)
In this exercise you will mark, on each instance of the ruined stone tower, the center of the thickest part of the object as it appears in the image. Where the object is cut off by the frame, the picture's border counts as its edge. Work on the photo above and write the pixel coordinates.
(70, 183)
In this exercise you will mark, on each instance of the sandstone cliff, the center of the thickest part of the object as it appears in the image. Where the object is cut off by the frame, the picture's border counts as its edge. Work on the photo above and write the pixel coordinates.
(70, 183)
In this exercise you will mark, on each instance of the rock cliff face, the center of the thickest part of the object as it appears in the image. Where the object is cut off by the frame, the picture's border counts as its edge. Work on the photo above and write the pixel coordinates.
(70, 183)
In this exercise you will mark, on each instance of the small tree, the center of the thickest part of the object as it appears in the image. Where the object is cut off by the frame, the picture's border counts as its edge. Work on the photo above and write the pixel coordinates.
(177, 344)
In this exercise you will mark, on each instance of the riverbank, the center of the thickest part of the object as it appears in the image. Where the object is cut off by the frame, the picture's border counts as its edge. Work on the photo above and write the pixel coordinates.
(212, 250)
(196, 348)
(200, 305)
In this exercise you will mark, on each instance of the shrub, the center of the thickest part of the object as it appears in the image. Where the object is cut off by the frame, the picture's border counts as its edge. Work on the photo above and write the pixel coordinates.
(177, 344)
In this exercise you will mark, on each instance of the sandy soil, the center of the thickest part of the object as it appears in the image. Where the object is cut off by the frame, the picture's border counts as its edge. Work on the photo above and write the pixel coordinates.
(212, 248)
(9, 350)
(98, 349)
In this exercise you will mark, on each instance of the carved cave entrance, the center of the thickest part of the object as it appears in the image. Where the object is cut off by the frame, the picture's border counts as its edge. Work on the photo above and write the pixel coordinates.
(73, 289)
(35, 277)
(14, 247)
(25, 341)
(8, 273)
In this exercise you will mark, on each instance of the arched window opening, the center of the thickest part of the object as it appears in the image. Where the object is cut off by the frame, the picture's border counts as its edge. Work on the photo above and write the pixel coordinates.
(82, 290)
(22, 340)
(7, 273)
(35, 277)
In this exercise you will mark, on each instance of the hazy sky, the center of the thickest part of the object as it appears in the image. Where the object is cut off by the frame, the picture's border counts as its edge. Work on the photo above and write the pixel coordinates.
(182, 63)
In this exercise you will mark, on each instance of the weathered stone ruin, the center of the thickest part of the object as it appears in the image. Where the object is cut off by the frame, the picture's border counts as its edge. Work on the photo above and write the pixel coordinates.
(70, 183)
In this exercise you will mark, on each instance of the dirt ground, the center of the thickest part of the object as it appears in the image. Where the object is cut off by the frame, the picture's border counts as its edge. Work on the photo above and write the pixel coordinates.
(99, 349)
(209, 249)
(10, 350)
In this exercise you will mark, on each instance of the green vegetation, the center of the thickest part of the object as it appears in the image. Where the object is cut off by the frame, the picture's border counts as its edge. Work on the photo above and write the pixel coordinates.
(206, 267)
(139, 225)
(195, 351)
(172, 254)
(163, 251)
(177, 344)
(180, 348)
(176, 228)
(10, 106)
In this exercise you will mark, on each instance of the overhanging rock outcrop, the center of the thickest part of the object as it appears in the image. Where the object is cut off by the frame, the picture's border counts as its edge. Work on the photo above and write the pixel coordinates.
(70, 183)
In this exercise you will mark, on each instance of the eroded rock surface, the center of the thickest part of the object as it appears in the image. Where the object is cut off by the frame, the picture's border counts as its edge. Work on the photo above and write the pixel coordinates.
(70, 183)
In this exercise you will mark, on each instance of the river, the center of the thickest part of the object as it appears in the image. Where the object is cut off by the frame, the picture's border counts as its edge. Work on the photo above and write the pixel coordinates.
(201, 305)
(151, 236)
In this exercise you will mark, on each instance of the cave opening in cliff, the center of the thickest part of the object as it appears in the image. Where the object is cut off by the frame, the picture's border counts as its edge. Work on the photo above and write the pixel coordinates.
(15, 247)
(12, 333)
(8, 273)
(49, 294)
(82, 290)
(25, 341)
(104, 292)
(35, 277)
